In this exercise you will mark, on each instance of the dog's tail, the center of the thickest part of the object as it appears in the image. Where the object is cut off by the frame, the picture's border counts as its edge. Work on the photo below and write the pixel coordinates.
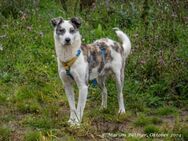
(125, 40)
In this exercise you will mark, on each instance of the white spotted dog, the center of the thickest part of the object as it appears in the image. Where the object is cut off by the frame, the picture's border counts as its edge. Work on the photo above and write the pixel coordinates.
(80, 63)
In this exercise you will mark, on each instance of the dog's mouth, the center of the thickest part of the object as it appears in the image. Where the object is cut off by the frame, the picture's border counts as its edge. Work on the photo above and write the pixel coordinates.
(67, 44)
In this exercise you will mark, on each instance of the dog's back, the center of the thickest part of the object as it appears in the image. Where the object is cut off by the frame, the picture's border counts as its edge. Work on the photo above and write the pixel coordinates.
(104, 53)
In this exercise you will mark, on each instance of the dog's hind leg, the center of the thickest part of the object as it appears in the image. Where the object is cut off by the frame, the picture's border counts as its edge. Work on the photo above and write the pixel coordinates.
(101, 82)
(83, 90)
(119, 84)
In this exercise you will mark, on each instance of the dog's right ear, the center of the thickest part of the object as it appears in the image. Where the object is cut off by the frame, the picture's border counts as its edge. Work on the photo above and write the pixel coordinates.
(76, 21)
(56, 21)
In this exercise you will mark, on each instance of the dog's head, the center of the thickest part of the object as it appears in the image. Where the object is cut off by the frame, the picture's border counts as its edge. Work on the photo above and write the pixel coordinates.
(66, 31)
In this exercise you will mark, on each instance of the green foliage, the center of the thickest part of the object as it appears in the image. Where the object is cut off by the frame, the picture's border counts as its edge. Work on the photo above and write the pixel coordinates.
(184, 132)
(32, 136)
(7, 118)
(142, 121)
(156, 120)
(2, 98)
(16, 8)
(28, 106)
(167, 110)
(135, 139)
(4, 134)
(43, 122)
(151, 129)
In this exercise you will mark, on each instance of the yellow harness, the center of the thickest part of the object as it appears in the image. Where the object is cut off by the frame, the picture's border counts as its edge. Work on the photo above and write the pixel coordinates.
(67, 65)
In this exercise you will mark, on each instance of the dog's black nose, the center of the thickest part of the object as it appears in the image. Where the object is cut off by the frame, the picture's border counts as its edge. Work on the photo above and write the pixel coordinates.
(67, 40)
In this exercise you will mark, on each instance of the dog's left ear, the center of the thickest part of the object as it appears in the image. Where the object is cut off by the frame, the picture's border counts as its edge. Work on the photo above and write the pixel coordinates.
(76, 21)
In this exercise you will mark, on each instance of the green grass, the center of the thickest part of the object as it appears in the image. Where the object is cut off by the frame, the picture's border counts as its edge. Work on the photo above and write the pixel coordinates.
(28, 106)
(144, 120)
(2, 98)
(184, 132)
(32, 98)
(5, 134)
(39, 122)
(156, 120)
(151, 129)
(7, 118)
(167, 110)
(32, 136)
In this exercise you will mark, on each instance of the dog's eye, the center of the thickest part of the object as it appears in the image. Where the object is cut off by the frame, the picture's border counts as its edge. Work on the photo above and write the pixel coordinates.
(72, 30)
(62, 30)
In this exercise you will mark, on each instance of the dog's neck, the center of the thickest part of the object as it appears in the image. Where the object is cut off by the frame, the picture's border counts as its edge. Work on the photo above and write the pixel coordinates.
(66, 52)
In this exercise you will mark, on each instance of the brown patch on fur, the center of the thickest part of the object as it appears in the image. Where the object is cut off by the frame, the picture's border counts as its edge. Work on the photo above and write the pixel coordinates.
(103, 45)
(118, 48)
(93, 55)
(108, 55)
(85, 51)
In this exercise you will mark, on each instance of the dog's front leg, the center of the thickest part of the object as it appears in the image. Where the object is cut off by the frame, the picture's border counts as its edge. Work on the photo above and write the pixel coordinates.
(70, 96)
(83, 91)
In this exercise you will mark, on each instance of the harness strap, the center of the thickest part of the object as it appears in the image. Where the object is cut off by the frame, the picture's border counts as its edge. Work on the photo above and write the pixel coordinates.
(69, 74)
(67, 65)
(103, 53)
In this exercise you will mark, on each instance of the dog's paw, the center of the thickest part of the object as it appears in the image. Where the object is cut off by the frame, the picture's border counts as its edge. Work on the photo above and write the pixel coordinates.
(74, 122)
(121, 111)
(103, 107)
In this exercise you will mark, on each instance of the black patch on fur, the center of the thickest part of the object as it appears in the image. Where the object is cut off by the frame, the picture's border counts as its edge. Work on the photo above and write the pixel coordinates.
(56, 21)
(60, 30)
(76, 22)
